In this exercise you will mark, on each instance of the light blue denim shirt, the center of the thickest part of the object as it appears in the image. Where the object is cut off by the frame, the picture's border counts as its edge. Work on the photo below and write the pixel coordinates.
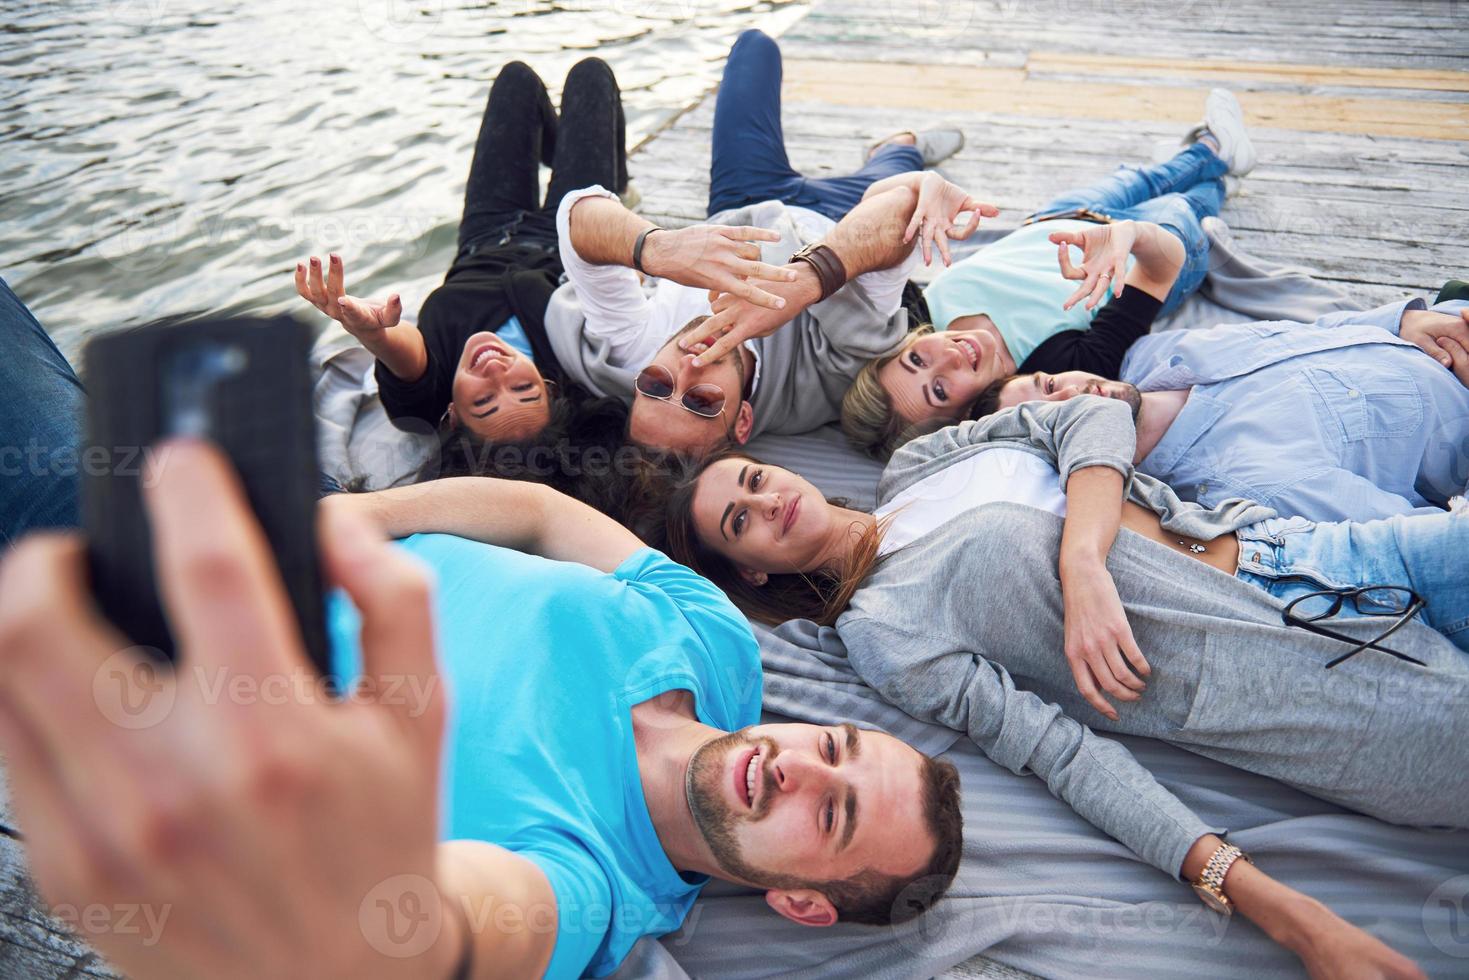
(1336, 420)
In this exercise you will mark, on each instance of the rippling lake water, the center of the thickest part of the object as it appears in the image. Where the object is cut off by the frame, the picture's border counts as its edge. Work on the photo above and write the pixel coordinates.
(169, 156)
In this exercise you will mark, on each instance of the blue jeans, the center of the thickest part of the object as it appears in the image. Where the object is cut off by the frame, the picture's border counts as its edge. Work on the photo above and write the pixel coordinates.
(1423, 552)
(1177, 195)
(748, 160)
(40, 426)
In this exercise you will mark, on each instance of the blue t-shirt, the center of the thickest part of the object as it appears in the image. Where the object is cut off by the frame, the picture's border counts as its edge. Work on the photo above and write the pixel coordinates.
(544, 661)
(1018, 283)
(514, 334)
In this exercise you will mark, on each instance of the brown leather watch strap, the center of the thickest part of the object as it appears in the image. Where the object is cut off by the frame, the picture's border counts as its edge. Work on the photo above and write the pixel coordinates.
(830, 271)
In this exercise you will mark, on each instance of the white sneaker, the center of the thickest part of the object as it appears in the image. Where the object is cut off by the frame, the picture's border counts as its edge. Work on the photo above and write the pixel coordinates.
(1225, 121)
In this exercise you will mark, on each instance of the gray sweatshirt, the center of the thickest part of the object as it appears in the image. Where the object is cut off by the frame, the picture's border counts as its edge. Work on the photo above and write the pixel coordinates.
(805, 367)
(965, 628)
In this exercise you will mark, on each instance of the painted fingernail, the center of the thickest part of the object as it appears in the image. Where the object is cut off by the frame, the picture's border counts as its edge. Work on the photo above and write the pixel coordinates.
(315, 262)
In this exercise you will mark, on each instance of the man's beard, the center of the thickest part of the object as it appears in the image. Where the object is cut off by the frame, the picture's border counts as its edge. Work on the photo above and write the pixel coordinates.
(1134, 400)
(713, 815)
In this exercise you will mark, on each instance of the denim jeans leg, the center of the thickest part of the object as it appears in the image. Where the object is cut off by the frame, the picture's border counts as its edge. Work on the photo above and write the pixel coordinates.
(1435, 553)
(1130, 186)
(835, 196)
(748, 161)
(40, 426)
(1422, 552)
(518, 128)
(1176, 214)
(591, 140)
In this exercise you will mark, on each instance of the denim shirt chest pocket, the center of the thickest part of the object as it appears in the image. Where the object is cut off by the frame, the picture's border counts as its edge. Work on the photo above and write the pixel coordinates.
(1367, 402)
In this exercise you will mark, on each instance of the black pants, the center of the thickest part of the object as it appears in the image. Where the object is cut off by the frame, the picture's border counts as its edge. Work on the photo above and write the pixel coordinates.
(520, 131)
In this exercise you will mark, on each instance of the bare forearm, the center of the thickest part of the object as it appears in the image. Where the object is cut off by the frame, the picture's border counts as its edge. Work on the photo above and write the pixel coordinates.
(910, 180)
(499, 512)
(400, 349)
(500, 906)
(1160, 256)
(526, 517)
(1282, 913)
(870, 237)
(604, 232)
(1093, 516)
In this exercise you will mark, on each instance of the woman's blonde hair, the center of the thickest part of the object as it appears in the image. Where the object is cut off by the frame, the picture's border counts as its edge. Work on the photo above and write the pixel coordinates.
(868, 418)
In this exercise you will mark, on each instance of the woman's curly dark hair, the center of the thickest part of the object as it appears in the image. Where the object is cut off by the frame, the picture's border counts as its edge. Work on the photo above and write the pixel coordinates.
(579, 452)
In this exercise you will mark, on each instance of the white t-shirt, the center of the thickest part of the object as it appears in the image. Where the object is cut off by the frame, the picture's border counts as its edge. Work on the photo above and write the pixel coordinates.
(991, 476)
(638, 318)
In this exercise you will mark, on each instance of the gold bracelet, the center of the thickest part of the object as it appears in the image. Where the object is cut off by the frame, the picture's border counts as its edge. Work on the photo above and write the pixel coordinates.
(1210, 886)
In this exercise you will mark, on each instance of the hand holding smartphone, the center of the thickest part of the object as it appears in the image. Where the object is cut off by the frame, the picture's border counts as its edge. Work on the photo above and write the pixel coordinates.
(242, 384)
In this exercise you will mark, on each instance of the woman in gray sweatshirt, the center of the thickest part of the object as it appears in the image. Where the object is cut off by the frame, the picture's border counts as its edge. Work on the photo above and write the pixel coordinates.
(1001, 600)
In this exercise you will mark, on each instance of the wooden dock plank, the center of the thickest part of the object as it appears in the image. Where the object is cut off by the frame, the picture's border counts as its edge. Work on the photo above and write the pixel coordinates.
(1224, 72)
(1364, 166)
(882, 85)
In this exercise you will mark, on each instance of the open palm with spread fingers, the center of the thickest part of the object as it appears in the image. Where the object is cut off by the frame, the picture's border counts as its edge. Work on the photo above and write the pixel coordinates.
(935, 218)
(328, 294)
(1104, 252)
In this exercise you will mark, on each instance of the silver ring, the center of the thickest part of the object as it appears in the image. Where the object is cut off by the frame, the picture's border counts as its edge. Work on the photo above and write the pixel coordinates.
(1105, 275)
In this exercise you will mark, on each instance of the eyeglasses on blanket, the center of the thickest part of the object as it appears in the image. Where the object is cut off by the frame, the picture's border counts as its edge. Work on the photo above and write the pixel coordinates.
(704, 400)
(1307, 612)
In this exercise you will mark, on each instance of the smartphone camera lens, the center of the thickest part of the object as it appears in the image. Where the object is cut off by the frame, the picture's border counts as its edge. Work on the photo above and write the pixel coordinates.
(191, 374)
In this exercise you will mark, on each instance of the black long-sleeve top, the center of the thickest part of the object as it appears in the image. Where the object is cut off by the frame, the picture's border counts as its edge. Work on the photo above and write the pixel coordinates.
(1100, 349)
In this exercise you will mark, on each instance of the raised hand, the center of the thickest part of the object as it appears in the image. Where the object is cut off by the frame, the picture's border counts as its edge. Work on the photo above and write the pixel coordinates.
(329, 295)
(736, 320)
(720, 258)
(1104, 252)
(935, 217)
(256, 823)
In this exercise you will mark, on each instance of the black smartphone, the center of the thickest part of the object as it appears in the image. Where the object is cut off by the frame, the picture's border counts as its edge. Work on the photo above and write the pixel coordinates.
(244, 385)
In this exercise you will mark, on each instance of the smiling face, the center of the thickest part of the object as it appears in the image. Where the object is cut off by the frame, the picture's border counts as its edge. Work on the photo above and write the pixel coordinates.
(659, 423)
(763, 518)
(1065, 386)
(939, 375)
(780, 805)
(499, 394)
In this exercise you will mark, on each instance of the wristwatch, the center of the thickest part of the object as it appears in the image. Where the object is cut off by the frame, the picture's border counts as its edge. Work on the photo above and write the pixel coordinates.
(1210, 886)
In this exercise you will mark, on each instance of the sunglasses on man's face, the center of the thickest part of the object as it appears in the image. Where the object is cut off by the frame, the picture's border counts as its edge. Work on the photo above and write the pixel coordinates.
(704, 400)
